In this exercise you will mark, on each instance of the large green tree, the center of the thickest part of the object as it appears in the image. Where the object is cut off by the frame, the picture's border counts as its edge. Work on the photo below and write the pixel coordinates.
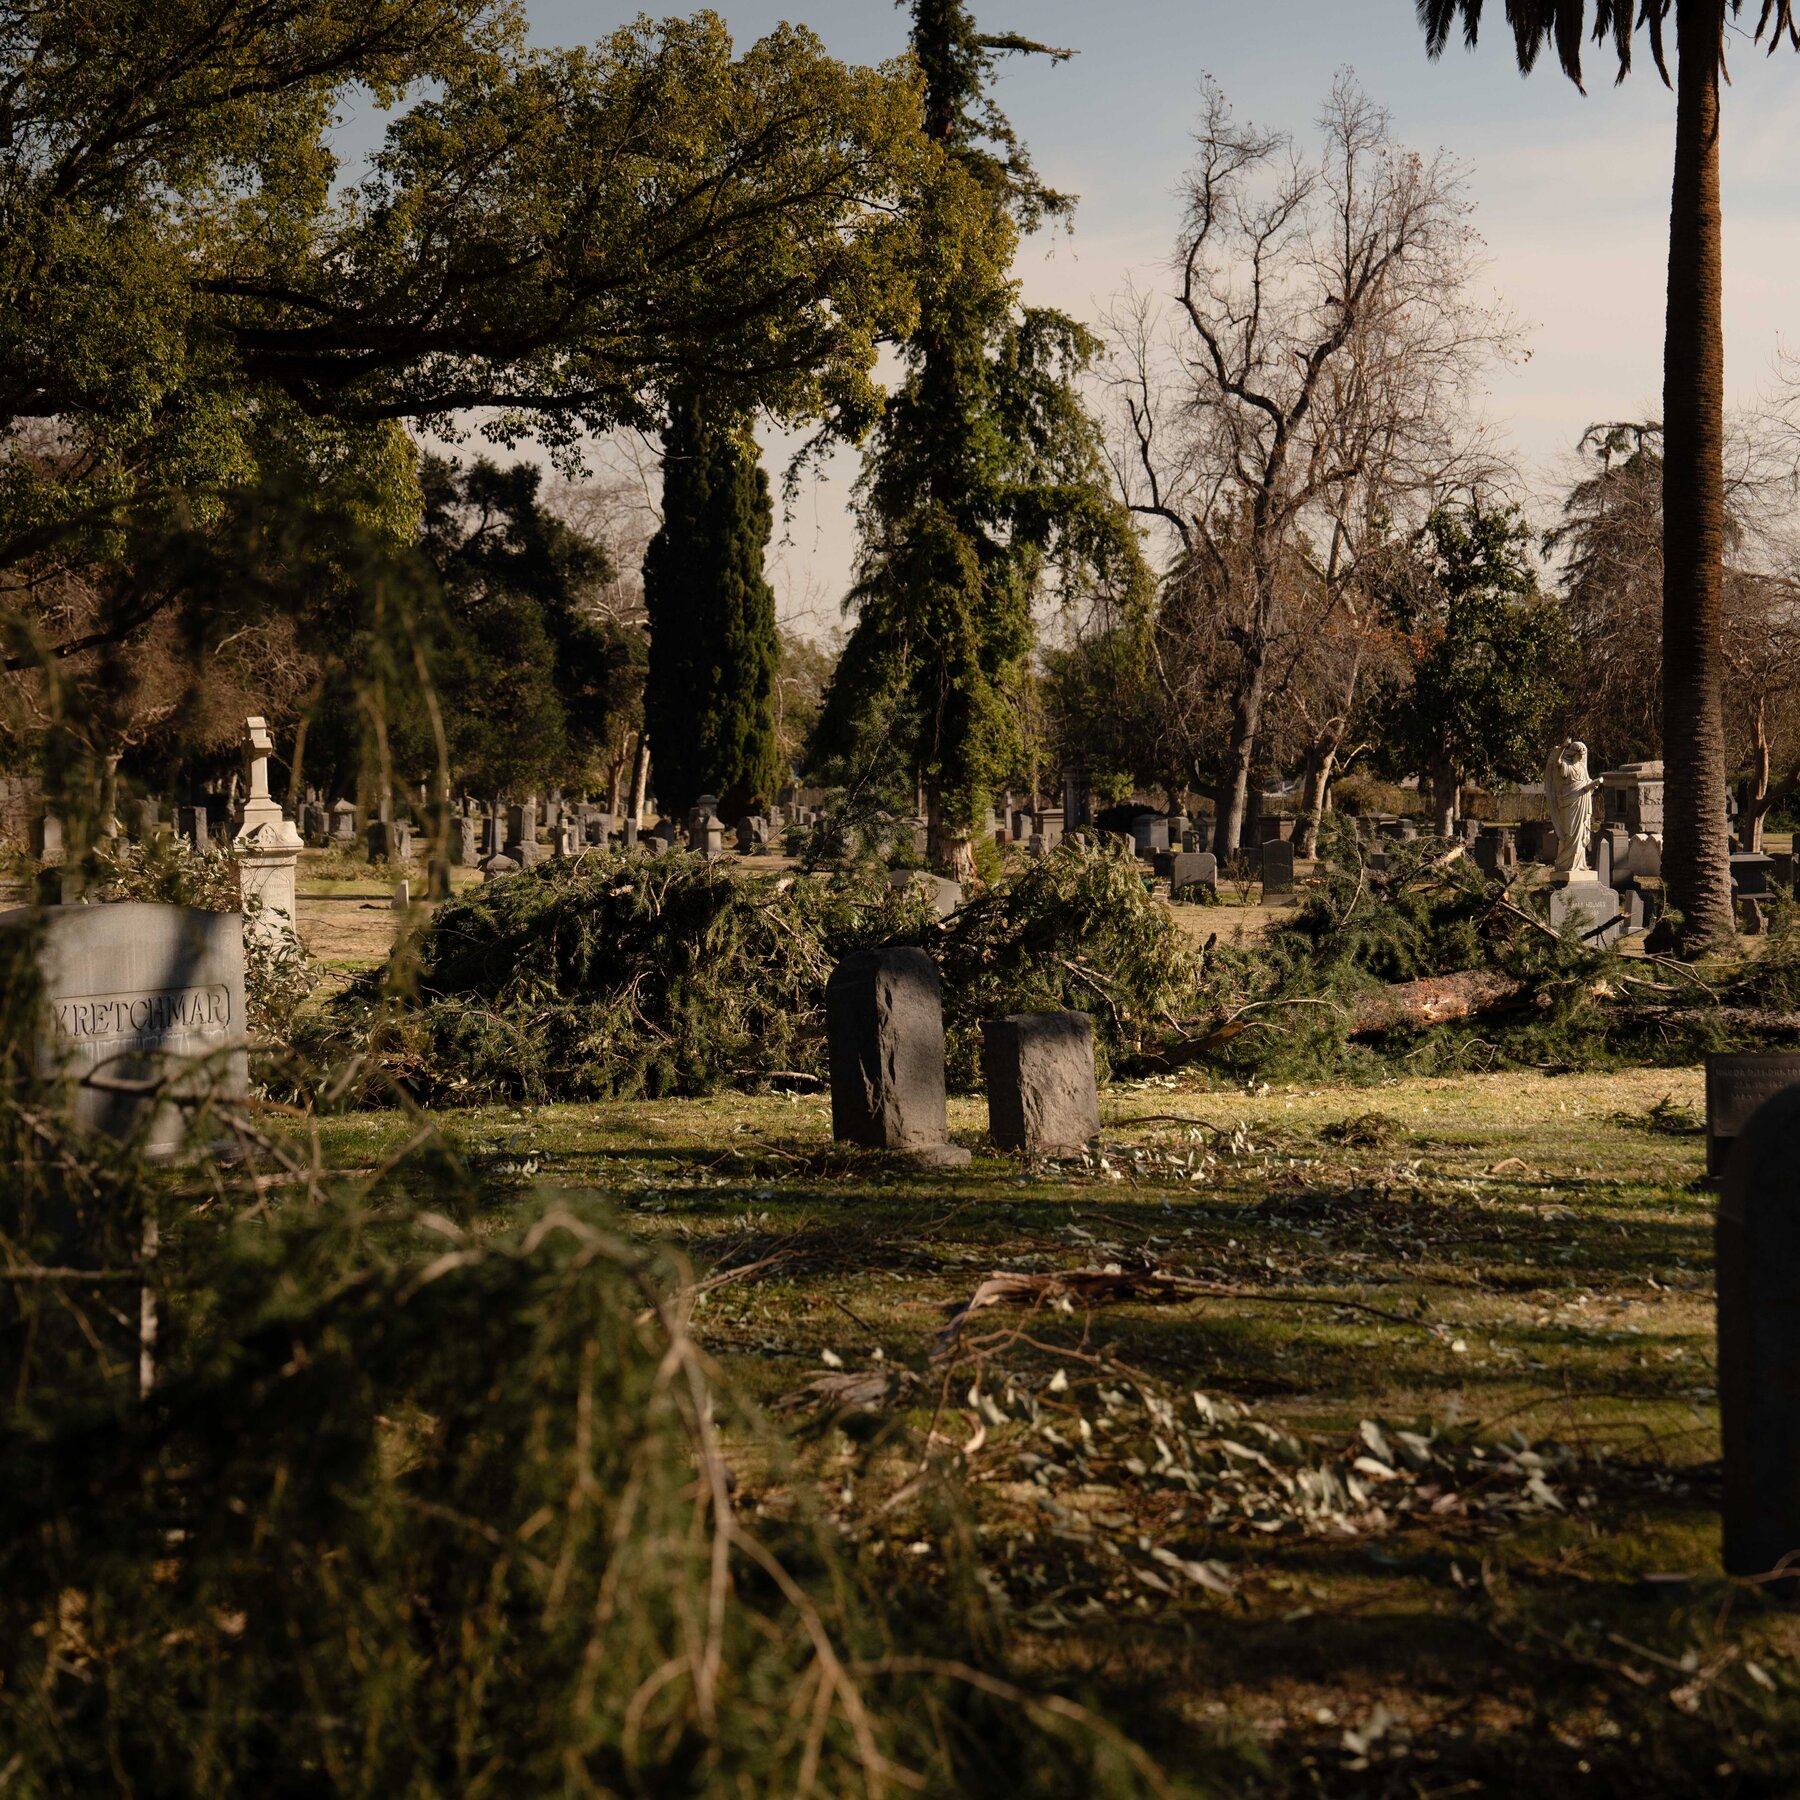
(985, 471)
(1485, 654)
(198, 303)
(1696, 852)
(710, 699)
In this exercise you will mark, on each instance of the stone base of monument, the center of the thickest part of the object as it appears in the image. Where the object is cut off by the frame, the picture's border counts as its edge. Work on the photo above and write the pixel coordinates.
(144, 1009)
(1042, 1099)
(1590, 906)
(884, 1023)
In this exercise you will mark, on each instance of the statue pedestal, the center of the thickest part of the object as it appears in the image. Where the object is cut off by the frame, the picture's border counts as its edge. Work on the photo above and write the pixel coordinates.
(1591, 906)
(268, 859)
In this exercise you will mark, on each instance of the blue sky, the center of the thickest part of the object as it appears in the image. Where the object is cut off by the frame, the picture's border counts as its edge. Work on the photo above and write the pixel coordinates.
(1571, 190)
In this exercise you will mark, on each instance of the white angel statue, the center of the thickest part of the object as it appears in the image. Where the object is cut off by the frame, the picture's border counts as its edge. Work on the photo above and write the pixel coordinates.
(1571, 796)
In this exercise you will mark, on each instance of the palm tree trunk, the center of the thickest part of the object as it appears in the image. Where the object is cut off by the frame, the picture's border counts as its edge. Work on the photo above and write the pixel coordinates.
(1696, 855)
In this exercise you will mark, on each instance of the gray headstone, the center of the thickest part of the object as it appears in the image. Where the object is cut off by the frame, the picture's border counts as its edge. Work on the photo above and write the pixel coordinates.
(136, 994)
(1592, 907)
(465, 841)
(884, 1023)
(944, 894)
(402, 896)
(498, 865)
(1736, 1087)
(191, 824)
(1277, 867)
(1042, 1098)
(1193, 869)
(1149, 833)
(343, 822)
(1752, 875)
(1758, 1278)
(631, 834)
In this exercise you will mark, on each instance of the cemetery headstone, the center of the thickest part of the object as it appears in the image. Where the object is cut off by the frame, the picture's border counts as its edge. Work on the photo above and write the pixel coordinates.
(1752, 875)
(1757, 1256)
(1592, 906)
(884, 1024)
(498, 865)
(1736, 1086)
(267, 847)
(343, 822)
(944, 894)
(1277, 867)
(402, 896)
(465, 841)
(1042, 1098)
(1078, 798)
(631, 833)
(47, 837)
(1193, 870)
(139, 994)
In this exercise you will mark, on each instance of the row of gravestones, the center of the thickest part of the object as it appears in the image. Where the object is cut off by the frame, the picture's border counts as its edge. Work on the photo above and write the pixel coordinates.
(145, 1009)
(884, 1022)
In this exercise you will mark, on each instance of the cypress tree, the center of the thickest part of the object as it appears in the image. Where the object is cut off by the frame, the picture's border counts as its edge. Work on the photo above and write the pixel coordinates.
(985, 469)
(709, 701)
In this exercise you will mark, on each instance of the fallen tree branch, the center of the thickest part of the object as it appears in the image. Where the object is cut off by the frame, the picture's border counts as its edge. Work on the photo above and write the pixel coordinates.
(1101, 1287)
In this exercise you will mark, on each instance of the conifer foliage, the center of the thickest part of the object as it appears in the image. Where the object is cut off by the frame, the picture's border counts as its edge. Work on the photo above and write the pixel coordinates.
(710, 700)
(985, 471)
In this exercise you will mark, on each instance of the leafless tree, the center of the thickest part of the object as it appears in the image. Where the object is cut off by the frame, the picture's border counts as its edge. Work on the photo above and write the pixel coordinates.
(1312, 386)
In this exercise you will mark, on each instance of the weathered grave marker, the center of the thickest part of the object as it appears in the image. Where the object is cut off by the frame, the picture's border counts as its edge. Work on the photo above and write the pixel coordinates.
(884, 1021)
(144, 1006)
(1591, 906)
(1042, 1099)
(1757, 1247)
(1277, 867)
(1736, 1086)
(1193, 869)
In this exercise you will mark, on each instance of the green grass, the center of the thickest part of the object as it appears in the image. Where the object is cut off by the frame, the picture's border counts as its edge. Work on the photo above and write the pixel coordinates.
(1537, 1254)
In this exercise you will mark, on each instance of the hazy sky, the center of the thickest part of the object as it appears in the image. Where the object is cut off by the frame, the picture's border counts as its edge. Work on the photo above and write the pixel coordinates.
(1571, 191)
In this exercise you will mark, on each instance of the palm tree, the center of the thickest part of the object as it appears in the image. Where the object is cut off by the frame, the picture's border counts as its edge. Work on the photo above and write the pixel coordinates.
(1696, 849)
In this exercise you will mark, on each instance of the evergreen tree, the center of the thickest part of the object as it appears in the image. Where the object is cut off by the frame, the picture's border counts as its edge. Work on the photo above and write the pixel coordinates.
(984, 472)
(1489, 655)
(710, 699)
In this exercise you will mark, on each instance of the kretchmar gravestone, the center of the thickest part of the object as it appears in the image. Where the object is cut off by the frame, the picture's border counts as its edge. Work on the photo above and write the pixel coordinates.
(1042, 1098)
(884, 1023)
(137, 995)
(1758, 1263)
(1735, 1087)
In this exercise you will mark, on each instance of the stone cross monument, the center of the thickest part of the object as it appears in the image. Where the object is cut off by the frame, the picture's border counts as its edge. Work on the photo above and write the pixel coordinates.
(267, 847)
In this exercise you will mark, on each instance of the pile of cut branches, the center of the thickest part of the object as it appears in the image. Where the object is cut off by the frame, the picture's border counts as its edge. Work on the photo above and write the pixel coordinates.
(619, 976)
(1427, 965)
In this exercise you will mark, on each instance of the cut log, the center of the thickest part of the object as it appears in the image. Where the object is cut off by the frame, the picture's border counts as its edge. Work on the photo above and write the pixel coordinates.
(1431, 1000)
